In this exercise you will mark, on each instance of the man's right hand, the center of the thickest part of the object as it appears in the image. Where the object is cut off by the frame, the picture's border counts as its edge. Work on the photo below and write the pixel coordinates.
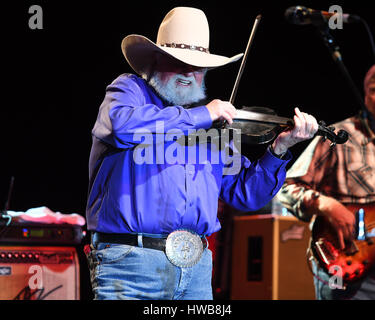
(342, 219)
(221, 110)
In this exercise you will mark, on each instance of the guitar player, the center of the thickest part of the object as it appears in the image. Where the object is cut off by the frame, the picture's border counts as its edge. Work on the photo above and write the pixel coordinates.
(326, 182)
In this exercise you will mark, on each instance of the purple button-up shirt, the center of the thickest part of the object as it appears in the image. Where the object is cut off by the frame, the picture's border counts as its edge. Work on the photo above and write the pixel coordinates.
(133, 188)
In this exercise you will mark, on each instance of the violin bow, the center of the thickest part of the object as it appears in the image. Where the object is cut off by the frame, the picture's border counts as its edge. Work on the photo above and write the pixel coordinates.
(242, 67)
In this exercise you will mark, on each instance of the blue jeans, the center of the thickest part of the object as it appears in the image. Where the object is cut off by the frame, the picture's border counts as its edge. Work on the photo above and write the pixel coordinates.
(123, 272)
(360, 290)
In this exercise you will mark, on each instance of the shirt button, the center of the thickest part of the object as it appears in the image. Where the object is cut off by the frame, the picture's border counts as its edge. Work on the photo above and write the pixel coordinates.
(190, 170)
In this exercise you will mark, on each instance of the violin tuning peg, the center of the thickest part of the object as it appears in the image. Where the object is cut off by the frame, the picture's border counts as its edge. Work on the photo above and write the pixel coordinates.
(331, 128)
(322, 123)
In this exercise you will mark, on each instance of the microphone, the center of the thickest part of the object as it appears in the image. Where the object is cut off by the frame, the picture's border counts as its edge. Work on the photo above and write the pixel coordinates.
(301, 15)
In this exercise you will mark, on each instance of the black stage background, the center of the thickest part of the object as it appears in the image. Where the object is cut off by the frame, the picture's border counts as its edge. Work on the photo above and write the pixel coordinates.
(54, 79)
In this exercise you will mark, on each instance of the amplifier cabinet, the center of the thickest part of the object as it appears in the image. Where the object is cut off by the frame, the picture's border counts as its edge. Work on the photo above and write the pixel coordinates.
(39, 273)
(269, 258)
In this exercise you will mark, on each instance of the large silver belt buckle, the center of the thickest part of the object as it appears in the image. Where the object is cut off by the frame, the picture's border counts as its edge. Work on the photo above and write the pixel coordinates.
(183, 248)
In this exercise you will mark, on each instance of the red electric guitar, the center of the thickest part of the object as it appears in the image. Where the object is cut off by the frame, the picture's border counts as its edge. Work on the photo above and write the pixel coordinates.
(358, 256)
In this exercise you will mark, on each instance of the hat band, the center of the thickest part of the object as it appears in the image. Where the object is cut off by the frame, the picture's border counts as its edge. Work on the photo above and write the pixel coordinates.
(185, 46)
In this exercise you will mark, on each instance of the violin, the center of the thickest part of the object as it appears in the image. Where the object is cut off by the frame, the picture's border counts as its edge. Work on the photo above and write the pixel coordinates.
(260, 125)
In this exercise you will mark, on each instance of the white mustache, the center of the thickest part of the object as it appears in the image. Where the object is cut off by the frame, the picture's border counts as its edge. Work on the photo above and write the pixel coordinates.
(178, 95)
(191, 79)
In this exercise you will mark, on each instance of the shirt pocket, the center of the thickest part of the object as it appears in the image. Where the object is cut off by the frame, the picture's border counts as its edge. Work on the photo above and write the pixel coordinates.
(360, 178)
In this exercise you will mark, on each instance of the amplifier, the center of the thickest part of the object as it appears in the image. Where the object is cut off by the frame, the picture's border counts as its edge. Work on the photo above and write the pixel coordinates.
(37, 233)
(269, 258)
(39, 273)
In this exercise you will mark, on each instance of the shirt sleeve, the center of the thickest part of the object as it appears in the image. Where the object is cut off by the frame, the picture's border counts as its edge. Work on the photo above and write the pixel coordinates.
(126, 111)
(306, 177)
(256, 183)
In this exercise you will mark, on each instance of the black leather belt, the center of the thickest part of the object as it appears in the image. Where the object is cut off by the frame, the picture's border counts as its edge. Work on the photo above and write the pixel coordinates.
(132, 240)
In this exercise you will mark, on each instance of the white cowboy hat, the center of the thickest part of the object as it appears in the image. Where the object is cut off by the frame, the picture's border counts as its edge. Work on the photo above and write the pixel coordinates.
(183, 34)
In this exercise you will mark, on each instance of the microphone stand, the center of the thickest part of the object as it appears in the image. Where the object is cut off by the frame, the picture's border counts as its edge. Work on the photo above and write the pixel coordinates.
(4, 213)
(337, 58)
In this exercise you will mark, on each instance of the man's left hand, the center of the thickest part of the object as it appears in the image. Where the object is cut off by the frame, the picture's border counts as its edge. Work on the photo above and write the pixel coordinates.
(305, 127)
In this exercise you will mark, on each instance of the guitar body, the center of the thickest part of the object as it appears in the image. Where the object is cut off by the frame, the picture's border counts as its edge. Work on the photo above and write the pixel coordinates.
(358, 256)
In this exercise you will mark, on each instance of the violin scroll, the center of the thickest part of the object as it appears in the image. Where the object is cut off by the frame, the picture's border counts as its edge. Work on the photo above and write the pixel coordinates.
(329, 133)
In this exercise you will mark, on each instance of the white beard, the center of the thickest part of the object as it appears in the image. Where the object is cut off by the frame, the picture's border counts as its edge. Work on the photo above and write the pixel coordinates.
(176, 94)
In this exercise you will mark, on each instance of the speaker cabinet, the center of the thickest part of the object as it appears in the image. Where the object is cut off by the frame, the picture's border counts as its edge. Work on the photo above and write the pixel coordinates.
(39, 273)
(269, 258)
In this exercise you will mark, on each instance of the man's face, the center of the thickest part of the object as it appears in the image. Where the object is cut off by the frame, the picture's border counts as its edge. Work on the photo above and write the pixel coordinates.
(178, 83)
(180, 72)
(370, 97)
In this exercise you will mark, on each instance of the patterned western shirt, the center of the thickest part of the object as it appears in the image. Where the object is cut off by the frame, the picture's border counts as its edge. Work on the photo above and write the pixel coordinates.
(345, 172)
